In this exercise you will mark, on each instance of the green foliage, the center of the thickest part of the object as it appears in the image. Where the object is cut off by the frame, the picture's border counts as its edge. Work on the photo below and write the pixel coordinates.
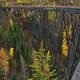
(14, 37)
(3, 3)
(41, 66)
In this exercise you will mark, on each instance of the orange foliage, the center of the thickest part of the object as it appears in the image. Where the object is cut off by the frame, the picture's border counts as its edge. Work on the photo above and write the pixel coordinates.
(4, 63)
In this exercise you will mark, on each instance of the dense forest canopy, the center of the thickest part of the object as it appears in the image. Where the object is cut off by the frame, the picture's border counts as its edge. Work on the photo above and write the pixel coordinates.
(38, 44)
(39, 2)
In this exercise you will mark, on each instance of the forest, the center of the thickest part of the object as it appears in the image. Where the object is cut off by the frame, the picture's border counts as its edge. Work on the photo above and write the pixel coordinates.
(38, 43)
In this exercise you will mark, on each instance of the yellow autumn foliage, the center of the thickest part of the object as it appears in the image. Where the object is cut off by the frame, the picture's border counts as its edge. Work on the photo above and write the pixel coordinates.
(70, 31)
(11, 52)
(20, 1)
(64, 45)
(64, 34)
(51, 15)
(4, 63)
(25, 1)
(11, 22)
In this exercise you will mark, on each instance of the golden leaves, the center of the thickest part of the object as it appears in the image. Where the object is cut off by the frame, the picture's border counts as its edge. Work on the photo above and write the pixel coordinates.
(64, 45)
(51, 15)
(11, 22)
(70, 31)
(4, 62)
(25, 1)
(20, 1)
(11, 52)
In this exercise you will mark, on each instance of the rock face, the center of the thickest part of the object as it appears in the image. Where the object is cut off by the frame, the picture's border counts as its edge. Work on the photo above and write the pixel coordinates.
(76, 75)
